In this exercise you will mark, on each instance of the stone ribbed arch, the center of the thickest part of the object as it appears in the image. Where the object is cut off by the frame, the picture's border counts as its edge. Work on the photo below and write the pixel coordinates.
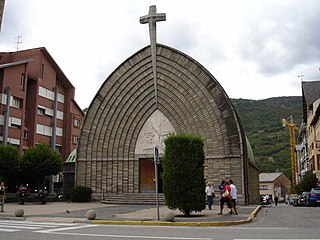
(188, 96)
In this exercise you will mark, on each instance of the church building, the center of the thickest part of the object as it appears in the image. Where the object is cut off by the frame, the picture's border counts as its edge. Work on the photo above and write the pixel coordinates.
(157, 91)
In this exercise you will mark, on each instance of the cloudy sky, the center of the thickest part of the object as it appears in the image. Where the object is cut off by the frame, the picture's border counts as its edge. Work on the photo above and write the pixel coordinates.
(255, 49)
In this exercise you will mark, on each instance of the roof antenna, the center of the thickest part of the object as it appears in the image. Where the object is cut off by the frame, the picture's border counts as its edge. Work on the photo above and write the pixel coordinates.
(18, 42)
(301, 76)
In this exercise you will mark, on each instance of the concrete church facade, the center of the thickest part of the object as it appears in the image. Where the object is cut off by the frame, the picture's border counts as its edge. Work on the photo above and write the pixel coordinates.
(130, 114)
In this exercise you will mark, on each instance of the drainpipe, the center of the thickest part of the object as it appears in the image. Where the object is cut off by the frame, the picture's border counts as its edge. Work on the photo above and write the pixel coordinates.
(6, 116)
(54, 132)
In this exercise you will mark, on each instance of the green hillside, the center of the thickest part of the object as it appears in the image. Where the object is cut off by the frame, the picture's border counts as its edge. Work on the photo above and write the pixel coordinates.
(261, 120)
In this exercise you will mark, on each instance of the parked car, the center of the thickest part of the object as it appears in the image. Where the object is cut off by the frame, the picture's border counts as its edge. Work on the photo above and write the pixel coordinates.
(314, 197)
(301, 200)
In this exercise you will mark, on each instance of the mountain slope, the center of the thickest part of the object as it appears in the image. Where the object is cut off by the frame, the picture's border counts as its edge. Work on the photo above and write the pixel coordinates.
(261, 120)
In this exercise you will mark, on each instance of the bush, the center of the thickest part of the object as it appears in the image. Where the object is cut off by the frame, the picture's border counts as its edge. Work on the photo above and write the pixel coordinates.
(81, 194)
(183, 173)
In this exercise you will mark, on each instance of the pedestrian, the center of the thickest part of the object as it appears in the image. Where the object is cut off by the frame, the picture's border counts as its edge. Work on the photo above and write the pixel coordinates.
(210, 194)
(221, 185)
(276, 200)
(2, 195)
(226, 198)
(234, 196)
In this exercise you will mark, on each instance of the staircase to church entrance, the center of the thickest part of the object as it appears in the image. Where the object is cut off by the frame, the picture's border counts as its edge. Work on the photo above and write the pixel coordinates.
(134, 199)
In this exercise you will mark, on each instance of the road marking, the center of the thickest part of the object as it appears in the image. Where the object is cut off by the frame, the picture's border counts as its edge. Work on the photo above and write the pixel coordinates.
(9, 230)
(64, 229)
(16, 226)
(19, 226)
(49, 224)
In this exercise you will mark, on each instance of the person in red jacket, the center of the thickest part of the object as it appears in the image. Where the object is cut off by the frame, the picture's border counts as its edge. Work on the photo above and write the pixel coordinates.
(226, 198)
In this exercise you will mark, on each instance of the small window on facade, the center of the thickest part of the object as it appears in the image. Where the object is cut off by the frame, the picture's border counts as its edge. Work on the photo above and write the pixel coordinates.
(42, 71)
(58, 148)
(22, 81)
(25, 135)
(41, 110)
(263, 187)
(75, 139)
(76, 122)
(16, 102)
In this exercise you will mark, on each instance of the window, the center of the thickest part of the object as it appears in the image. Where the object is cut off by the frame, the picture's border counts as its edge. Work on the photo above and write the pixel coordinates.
(60, 115)
(76, 122)
(25, 134)
(60, 98)
(41, 110)
(263, 187)
(42, 92)
(46, 93)
(75, 139)
(16, 102)
(42, 71)
(43, 130)
(15, 122)
(49, 112)
(58, 148)
(59, 131)
(22, 81)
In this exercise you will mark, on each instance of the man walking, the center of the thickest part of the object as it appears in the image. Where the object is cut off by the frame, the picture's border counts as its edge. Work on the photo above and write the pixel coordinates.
(209, 192)
(233, 194)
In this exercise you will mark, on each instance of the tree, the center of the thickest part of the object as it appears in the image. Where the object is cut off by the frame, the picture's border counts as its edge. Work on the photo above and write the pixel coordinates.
(309, 181)
(41, 161)
(183, 173)
(9, 162)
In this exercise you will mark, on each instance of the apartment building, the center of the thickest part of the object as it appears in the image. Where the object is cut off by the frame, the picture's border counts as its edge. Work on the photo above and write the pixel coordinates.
(274, 184)
(303, 161)
(37, 102)
(311, 113)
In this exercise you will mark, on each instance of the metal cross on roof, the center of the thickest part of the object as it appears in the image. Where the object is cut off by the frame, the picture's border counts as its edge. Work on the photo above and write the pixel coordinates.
(151, 19)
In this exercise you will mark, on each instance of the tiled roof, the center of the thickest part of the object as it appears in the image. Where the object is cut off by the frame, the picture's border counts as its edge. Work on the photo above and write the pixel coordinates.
(311, 91)
(268, 177)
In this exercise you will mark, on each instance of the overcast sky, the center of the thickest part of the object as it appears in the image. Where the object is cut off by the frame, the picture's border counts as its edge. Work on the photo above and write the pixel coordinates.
(255, 49)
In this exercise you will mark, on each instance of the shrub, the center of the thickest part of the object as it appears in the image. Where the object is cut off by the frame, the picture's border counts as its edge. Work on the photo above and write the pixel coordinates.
(81, 194)
(183, 173)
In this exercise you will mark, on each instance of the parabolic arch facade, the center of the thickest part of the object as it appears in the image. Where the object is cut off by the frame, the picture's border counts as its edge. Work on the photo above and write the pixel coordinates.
(123, 122)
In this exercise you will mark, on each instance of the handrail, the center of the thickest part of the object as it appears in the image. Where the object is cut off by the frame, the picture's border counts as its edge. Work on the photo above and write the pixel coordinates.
(105, 190)
(108, 188)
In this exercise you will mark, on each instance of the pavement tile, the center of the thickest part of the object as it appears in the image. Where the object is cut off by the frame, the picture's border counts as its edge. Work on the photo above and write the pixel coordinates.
(125, 214)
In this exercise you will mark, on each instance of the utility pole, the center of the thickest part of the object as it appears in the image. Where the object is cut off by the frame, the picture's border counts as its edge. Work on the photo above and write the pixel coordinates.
(292, 127)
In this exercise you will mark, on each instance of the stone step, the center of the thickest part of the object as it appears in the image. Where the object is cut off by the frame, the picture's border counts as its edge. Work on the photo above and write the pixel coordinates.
(134, 198)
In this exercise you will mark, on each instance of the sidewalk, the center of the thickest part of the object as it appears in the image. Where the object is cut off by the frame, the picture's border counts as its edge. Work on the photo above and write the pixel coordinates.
(124, 214)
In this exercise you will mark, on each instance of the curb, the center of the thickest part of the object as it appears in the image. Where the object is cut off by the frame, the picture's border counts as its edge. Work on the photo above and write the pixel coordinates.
(183, 224)
(164, 223)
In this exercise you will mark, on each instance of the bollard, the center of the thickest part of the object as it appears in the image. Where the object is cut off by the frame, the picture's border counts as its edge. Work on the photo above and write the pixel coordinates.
(169, 216)
(19, 212)
(91, 214)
